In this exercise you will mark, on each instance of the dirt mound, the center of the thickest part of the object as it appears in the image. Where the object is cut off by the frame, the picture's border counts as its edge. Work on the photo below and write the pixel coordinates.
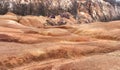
(31, 21)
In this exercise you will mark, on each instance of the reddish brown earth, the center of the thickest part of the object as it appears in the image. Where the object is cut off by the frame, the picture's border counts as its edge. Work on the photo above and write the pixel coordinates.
(24, 46)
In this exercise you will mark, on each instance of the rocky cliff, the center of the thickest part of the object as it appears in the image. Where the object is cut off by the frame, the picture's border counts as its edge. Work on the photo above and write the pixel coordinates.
(84, 11)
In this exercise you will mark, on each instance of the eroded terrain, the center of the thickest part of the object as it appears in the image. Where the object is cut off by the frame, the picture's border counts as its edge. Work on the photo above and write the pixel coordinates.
(26, 43)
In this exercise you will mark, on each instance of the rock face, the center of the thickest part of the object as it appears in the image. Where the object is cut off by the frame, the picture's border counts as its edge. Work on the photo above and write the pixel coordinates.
(84, 11)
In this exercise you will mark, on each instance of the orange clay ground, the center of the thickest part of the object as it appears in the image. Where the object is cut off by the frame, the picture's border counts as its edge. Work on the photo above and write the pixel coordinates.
(94, 46)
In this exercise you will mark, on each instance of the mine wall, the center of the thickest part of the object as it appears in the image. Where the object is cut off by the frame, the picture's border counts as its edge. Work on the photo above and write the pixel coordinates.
(82, 10)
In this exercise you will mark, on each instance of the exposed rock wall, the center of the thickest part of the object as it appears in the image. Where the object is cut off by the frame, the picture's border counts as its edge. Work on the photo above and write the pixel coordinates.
(84, 11)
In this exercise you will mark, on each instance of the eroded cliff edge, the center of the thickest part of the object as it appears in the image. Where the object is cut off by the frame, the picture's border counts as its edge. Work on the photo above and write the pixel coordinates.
(84, 11)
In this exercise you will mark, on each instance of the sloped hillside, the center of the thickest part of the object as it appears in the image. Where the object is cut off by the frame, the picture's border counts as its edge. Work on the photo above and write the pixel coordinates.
(26, 44)
(52, 35)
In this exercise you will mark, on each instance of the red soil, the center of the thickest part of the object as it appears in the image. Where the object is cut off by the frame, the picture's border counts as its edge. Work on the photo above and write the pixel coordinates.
(69, 47)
